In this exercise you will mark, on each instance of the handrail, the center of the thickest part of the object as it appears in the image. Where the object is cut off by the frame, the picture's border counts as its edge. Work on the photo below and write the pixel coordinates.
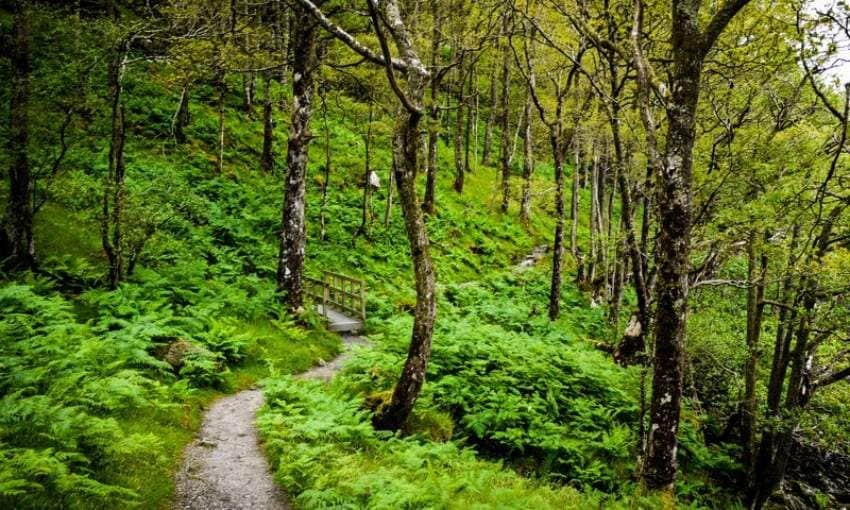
(338, 291)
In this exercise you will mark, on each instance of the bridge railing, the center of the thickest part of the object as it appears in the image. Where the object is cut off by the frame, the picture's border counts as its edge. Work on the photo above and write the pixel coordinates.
(340, 292)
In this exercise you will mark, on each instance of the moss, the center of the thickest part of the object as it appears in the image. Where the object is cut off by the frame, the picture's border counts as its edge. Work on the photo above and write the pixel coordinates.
(435, 425)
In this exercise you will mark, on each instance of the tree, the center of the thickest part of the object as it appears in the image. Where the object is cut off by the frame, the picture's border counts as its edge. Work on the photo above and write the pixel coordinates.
(430, 199)
(293, 232)
(528, 143)
(17, 245)
(111, 233)
(505, 113)
(406, 148)
(560, 136)
(690, 44)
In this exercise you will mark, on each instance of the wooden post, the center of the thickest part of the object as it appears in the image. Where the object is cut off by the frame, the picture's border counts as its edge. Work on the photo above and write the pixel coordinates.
(325, 295)
(363, 302)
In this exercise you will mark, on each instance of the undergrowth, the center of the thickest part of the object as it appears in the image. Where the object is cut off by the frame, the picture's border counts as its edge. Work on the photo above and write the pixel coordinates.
(529, 402)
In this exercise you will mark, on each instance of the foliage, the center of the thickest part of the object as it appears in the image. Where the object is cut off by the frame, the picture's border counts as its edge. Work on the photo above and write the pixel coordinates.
(63, 388)
(327, 455)
(518, 386)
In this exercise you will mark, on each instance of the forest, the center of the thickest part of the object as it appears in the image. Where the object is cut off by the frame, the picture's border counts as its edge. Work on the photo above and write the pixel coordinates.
(410, 254)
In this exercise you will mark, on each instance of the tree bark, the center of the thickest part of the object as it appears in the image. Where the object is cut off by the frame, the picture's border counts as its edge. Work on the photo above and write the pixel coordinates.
(406, 149)
(527, 163)
(491, 121)
(505, 149)
(689, 47)
(366, 219)
(674, 211)
(221, 85)
(430, 200)
(558, 243)
(326, 170)
(293, 234)
(755, 307)
(112, 236)
(459, 128)
(249, 81)
(17, 245)
(388, 209)
(181, 116)
(574, 212)
(267, 158)
(630, 344)
(471, 115)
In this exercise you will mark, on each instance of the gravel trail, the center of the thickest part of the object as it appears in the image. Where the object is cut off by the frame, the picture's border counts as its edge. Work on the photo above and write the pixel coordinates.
(224, 468)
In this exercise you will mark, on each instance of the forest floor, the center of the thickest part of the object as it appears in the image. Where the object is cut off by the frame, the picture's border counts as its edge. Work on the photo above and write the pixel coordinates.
(225, 467)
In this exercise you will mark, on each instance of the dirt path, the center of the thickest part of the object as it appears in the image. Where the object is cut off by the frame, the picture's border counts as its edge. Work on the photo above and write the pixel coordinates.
(224, 468)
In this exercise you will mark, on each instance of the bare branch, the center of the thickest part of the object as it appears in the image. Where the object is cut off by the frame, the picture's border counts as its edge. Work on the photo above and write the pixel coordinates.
(349, 39)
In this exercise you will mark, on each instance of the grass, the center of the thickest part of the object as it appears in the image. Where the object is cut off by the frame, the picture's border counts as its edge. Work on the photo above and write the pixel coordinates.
(277, 348)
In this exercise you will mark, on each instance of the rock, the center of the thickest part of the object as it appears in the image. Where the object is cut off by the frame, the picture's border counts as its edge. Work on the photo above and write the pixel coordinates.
(206, 443)
(813, 471)
(172, 350)
(176, 353)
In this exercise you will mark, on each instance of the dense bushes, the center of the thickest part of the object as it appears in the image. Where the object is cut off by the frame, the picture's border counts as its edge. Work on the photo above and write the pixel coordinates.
(91, 387)
(519, 387)
(63, 389)
(531, 396)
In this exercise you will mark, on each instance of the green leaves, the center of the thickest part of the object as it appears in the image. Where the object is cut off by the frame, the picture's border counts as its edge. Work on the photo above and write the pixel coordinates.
(327, 455)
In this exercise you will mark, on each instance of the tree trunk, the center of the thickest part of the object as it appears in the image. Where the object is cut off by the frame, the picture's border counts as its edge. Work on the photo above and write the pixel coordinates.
(632, 342)
(527, 163)
(366, 219)
(293, 234)
(406, 149)
(615, 300)
(755, 307)
(326, 170)
(388, 209)
(765, 478)
(459, 128)
(574, 204)
(249, 81)
(267, 158)
(674, 211)
(491, 121)
(112, 237)
(558, 244)
(17, 245)
(430, 200)
(593, 180)
(221, 85)
(470, 136)
(690, 45)
(181, 116)
(506, 114)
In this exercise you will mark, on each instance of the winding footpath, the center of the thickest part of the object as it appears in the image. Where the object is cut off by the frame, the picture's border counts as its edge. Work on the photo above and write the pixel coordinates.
(225, 468)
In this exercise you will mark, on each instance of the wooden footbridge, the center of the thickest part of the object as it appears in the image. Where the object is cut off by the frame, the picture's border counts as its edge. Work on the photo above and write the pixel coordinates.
(340, 299)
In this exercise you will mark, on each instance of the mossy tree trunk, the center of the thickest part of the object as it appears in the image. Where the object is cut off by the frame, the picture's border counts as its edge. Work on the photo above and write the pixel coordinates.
(267, 157)
(112, 235)
(690, 44)
(505, 78)
(293, 233)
